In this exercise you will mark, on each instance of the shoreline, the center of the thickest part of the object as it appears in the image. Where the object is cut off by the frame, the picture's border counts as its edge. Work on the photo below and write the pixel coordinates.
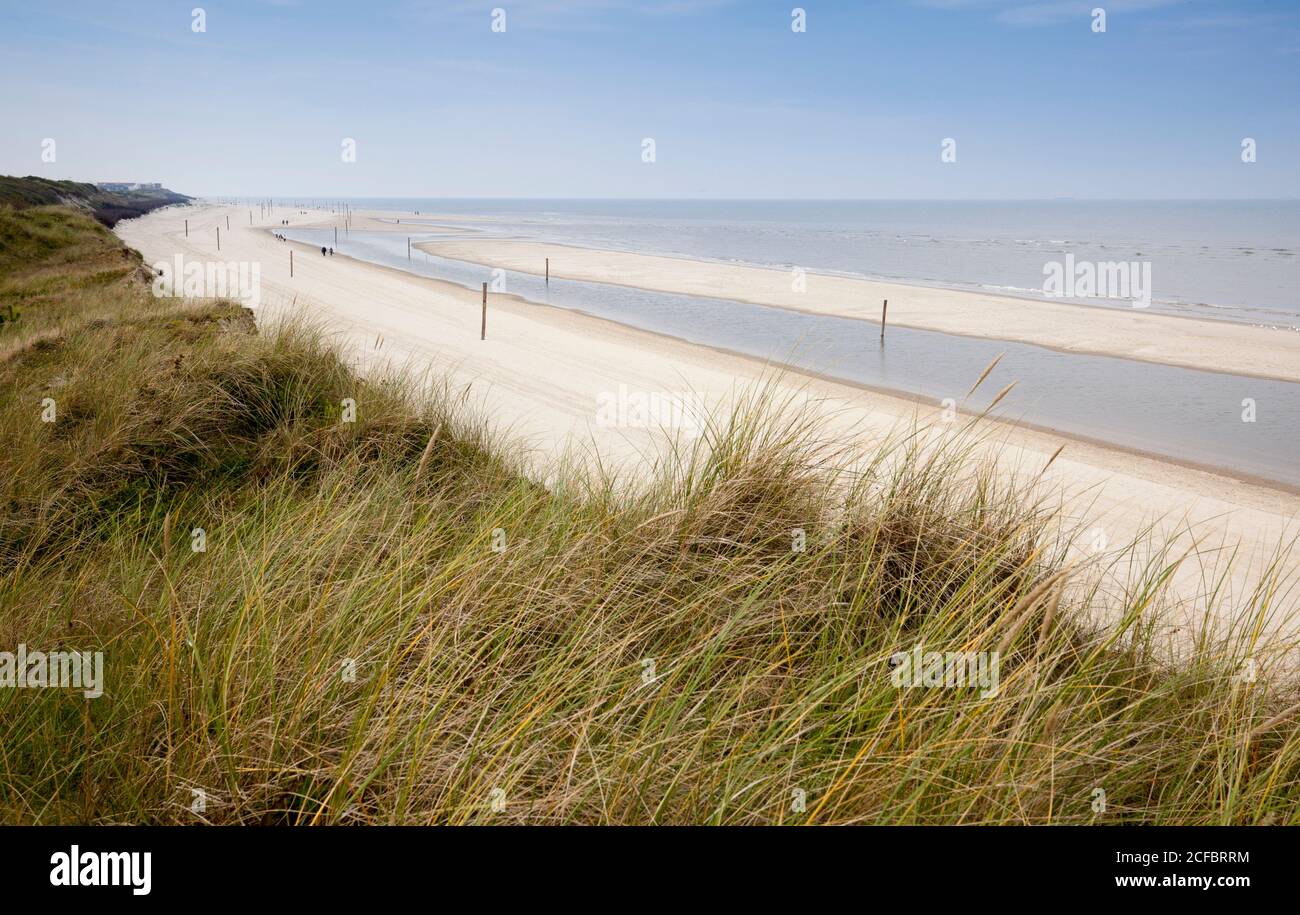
(428, 246)
(1183, 341)
(449, 224)
(919, 285)
(458, 222)
(922, 285)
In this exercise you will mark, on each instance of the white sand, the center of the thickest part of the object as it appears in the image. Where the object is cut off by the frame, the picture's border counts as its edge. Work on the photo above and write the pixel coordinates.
(541, 371)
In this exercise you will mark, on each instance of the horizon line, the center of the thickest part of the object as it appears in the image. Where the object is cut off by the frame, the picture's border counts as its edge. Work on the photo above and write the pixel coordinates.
(761, 199)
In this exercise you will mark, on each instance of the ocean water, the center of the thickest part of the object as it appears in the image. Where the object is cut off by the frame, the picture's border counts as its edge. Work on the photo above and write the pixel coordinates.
(1185, 414)
(1228, 260)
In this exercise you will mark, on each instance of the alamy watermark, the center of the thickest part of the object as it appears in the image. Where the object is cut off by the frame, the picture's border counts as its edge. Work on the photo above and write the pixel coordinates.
(240, 280)
(83, 670)
(103, 868)
(632, 409)
(950, 669)
(1129, 280)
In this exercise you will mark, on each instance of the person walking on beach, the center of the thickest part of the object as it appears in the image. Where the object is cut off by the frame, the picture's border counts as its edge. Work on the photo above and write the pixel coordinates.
(322, 251)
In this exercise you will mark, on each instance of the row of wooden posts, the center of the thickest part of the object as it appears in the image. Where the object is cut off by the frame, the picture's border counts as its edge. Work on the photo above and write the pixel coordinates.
(884, 307)
(483, 326)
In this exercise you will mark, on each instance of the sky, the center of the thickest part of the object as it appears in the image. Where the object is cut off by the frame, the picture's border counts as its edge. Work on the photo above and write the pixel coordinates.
(737, 102)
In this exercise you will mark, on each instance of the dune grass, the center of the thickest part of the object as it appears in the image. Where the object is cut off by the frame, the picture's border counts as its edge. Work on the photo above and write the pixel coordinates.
(389, 622)
(108, 207)
(57, 262)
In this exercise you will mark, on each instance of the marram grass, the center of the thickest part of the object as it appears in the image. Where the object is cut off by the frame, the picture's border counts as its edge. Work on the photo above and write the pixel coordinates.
(391, 623)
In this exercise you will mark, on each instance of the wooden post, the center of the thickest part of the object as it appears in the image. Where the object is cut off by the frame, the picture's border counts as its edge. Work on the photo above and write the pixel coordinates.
(218, 238)
(548, 271)
(227, 222)
(291, 262)
(408, 247)
(483, 332)
(336, 236)
(187, 228)
(884, 310)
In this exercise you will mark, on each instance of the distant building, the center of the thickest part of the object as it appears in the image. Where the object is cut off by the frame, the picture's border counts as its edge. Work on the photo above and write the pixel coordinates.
(120, 186)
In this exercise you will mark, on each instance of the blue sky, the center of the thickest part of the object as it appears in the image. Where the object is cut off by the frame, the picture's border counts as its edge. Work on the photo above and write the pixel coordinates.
(738, 104)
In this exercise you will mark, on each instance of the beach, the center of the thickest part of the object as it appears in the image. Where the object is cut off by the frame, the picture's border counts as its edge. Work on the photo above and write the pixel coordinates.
(663, 414)
(542, 372)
